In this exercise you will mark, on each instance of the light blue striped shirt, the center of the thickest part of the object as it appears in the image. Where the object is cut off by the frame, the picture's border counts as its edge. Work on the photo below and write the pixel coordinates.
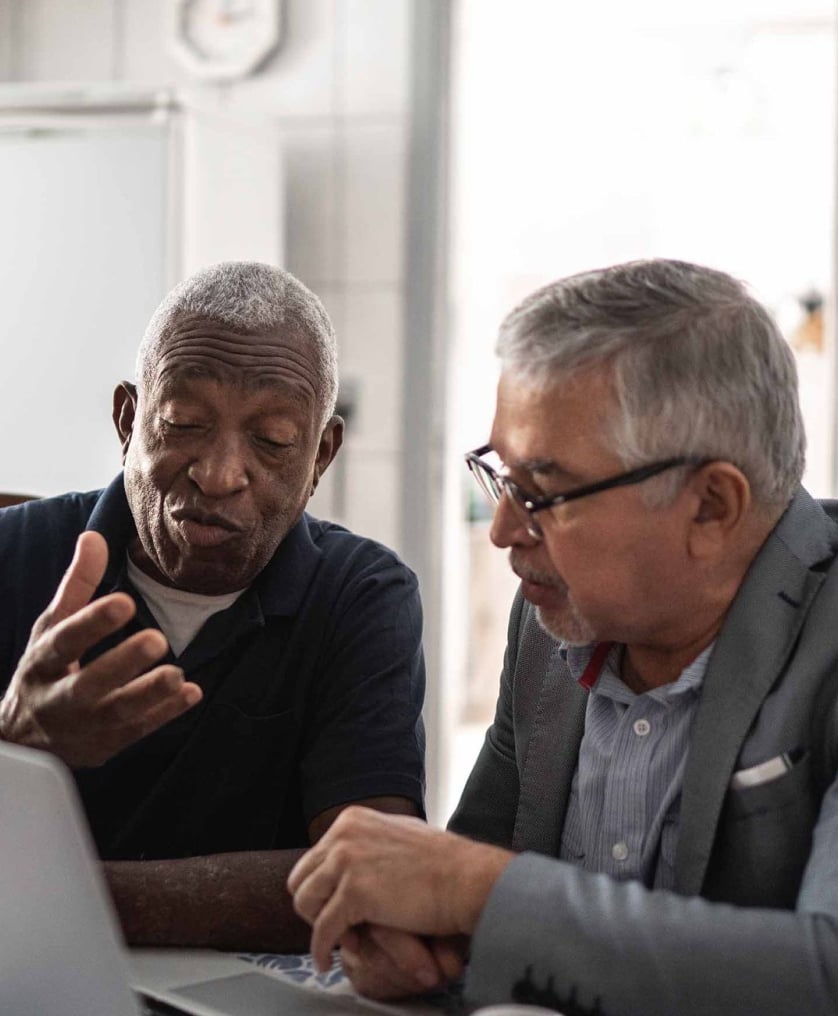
(623, 813)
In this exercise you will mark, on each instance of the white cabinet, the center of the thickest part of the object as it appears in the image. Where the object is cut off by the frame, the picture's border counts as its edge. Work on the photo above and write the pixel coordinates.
(108, 196)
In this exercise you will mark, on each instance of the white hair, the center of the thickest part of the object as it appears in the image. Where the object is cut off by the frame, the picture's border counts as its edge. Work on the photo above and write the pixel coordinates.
(250, 298)
(698, 368)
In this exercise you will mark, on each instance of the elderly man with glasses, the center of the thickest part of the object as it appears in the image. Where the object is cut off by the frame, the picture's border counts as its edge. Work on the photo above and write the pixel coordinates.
(656, 798)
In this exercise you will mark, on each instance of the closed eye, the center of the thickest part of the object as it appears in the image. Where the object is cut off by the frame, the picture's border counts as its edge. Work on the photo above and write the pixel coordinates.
(530, 487)
(272, 445)
(173, 425)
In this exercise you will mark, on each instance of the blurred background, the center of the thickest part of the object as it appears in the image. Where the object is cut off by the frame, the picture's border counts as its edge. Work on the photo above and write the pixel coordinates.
(421, 165)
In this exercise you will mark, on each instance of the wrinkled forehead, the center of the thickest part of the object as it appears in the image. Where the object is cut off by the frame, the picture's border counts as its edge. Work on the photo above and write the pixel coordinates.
(202, 349)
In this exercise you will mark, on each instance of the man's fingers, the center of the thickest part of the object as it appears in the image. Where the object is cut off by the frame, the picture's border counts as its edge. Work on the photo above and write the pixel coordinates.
(372, 971)
(150, 700)
(312, 888)
(331, 924)
(131, 713)
(408, 953)
(120, 665)
(312, 894)
(59, 646)
(351, 941)
(450, 954)
(82, 578)
(305, 868)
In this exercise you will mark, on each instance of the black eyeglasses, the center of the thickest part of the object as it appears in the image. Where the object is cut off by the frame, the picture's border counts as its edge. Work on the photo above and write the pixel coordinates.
(494, 484)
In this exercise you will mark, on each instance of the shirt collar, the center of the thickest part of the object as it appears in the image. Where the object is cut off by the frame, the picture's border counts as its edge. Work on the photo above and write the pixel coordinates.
(281, 585)
(596, 666)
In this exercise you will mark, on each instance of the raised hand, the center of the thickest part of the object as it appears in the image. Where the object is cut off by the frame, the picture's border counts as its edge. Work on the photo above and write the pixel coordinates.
(84, 715)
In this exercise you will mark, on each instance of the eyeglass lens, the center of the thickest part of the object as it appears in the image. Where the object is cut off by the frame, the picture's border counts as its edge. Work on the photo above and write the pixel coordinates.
(494, 486)
(489, 481)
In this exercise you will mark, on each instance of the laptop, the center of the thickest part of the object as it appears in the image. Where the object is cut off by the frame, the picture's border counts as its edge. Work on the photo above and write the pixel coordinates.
(61, 948)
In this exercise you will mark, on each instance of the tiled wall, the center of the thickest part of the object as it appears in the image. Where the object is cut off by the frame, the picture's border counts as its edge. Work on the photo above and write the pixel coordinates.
(339, 90)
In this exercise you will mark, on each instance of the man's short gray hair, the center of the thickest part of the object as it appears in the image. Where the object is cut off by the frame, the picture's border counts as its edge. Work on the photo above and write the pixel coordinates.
(250, 298)
(698, 368)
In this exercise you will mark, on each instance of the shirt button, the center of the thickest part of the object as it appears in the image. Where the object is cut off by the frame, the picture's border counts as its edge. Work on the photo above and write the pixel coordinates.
(620, 851)
(642, 727)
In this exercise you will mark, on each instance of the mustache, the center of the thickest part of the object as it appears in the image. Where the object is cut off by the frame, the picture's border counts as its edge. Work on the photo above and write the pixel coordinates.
(527, 573)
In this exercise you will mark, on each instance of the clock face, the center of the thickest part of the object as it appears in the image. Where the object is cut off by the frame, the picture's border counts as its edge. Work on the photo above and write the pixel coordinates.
(224, 39)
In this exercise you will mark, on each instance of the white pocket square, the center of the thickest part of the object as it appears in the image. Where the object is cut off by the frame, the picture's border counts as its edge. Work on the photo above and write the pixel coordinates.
(765, 772)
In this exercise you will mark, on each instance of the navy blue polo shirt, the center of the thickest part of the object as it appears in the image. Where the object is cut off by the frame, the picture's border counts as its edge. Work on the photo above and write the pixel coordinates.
(313, 684)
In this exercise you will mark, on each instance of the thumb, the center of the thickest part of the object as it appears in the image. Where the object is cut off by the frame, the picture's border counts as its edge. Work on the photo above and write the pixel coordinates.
(81, 579)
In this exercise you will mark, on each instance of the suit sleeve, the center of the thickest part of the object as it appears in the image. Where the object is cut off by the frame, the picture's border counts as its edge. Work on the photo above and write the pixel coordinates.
(557, 936)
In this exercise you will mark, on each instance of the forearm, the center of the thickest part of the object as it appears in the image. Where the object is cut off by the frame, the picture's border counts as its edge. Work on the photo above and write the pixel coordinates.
(225, 901)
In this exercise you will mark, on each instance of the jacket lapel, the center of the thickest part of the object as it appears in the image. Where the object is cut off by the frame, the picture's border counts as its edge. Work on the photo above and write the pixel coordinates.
(752, 649)
(546, 773)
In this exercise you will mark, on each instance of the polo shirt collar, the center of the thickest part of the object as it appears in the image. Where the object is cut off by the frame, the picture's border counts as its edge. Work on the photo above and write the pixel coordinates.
(281, 584)
(112, 517)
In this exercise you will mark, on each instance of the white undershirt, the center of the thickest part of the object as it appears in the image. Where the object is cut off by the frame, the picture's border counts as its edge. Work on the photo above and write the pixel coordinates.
(181, 615)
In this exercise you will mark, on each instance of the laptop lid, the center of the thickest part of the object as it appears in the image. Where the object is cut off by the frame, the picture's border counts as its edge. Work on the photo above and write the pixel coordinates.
(61, 947)
(60, 943)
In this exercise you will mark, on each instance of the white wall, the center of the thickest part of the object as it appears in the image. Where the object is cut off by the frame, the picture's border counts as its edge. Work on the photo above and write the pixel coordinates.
(338, 90)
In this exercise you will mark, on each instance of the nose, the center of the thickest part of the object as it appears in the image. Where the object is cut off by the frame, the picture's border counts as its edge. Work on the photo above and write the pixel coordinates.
(509, 526)
(220, 468)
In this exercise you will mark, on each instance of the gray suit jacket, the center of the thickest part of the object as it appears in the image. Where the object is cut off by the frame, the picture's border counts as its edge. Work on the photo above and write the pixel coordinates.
(752, 927)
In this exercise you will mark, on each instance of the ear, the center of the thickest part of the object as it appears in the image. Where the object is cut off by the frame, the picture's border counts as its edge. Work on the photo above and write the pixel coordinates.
(330, 441)
(722, 502)
(124, 412)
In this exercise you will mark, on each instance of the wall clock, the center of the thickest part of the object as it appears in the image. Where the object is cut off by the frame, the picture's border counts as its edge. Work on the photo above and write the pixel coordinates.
(223, 39)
